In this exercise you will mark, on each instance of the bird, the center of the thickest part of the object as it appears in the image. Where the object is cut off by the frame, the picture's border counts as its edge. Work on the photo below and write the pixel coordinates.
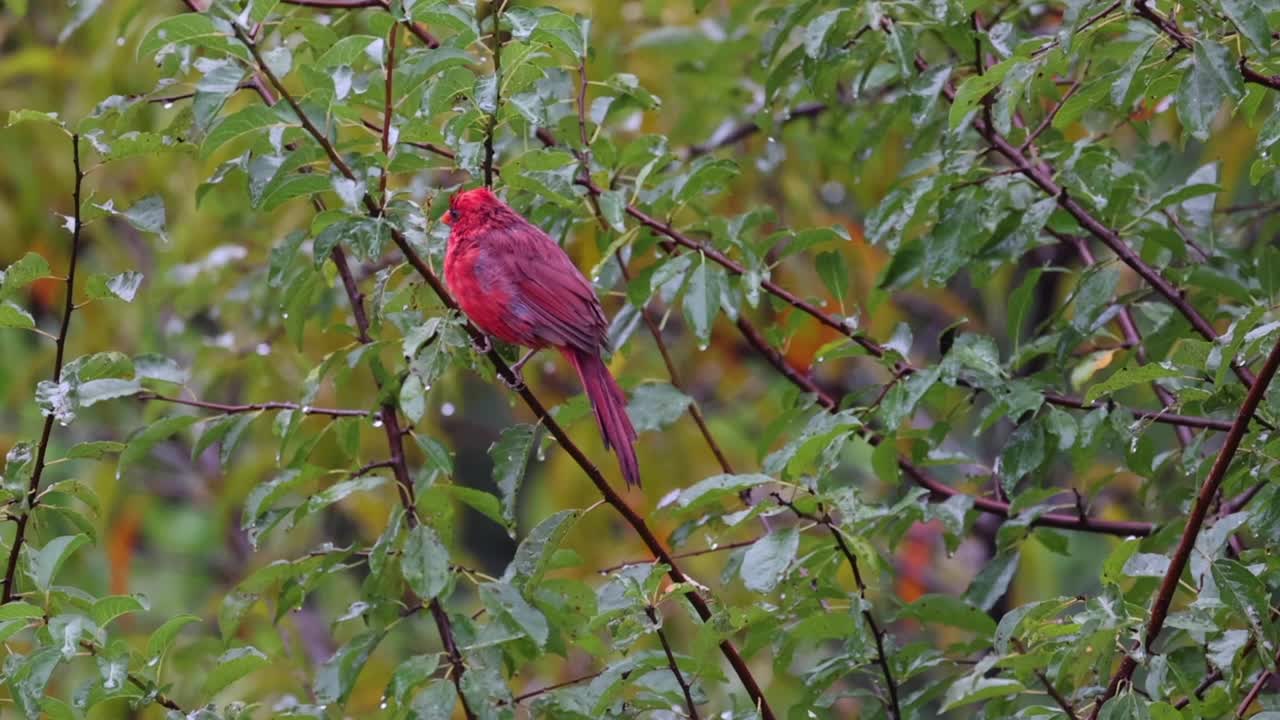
(518, 285)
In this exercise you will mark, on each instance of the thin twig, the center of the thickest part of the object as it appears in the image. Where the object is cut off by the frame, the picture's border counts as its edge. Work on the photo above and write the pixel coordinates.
(388, 106)
(33, 487)
(686, 554)
(231, 409)
(159, 698)
(492, 129)
(671, 662)
(550, 688)
(1199, 511)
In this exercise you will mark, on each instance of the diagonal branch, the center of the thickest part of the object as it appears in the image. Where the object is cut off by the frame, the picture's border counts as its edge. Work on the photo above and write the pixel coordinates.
(1199, 511)
(42, 449)
(937, 488)
(611, 496)
(671, 662)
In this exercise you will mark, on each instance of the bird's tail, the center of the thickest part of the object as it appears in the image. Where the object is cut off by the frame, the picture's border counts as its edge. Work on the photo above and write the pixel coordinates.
(610, 407)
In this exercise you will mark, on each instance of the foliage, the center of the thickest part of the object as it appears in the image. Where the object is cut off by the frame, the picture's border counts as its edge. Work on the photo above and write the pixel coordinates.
(948, 326)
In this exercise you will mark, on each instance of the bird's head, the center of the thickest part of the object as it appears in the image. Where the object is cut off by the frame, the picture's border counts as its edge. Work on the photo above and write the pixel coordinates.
(469, 203)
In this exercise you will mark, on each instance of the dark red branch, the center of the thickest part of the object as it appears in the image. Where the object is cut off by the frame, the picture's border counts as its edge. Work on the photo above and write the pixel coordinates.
(1199, 511)
(42, 449)
(671, 662)
(936, 488)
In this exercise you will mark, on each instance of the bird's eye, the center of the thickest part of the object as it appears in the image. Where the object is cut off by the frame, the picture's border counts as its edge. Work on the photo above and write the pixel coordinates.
(454, 214)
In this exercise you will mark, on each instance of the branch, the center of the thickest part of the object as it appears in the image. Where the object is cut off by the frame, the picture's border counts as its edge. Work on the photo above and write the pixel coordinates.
(1199, 511)
(1041, 175)
(610, 495)
(686, 554)
(744, 130)
(399, 467)
(388, 106)
(542, 691)
(671, 662)
(675, 237)
(492, 130)
(937, 488)
(227, 409)
(1265, 677)
(33, 487)
(159, 698)
(1128, 326)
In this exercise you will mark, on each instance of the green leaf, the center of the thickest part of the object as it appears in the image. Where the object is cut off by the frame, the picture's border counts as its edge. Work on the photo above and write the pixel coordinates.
(1212, 78)
(702, 299)
(140, 442)
(1246, 594)
(1124, 79)
(233, 665)
(21, 273)
(113, 606)
(834, 272)
(43, 564)
(176, 30)
(951, 611)
(337, 676)
(292, 187)
(123, 286)
(1126, 706)
(12, 316)
(19, 610)
(656, 405)
(973, 89)
(147, 215)
(533, 555)
(410, 674)
(975, 688)
(992, 582)
(413, 398)
(28, 678)
(162, 639)
(425, 563)
(1128, 377)
(510, 456)
(19, 117)
(766, 561)
(506, 601)
(242, 122)
(1249, 19)
(716, 487)
(436, 701)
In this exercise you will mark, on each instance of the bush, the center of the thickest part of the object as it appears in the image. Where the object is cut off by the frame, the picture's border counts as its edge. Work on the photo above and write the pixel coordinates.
(948, 329)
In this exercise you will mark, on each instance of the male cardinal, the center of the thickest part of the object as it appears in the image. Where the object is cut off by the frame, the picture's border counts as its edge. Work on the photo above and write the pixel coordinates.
(518, 285)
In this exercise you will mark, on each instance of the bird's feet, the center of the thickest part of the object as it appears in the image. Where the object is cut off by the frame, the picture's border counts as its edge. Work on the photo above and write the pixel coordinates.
(517, 372)
(483, 345)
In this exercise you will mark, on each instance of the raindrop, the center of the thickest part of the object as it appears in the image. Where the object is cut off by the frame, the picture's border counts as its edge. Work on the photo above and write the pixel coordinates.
(426, 388)
(168, 106)
(285, 316)
(264, 349)
(306, 409)
(377, 422)
(702, 347)
(119, 42)
(382, 705)
(447, 409)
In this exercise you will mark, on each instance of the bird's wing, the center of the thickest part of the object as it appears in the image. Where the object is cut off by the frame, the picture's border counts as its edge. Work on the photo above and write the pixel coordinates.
(562, 304)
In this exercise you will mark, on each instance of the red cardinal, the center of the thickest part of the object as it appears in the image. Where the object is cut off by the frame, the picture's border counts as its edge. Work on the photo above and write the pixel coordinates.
(518, 285)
